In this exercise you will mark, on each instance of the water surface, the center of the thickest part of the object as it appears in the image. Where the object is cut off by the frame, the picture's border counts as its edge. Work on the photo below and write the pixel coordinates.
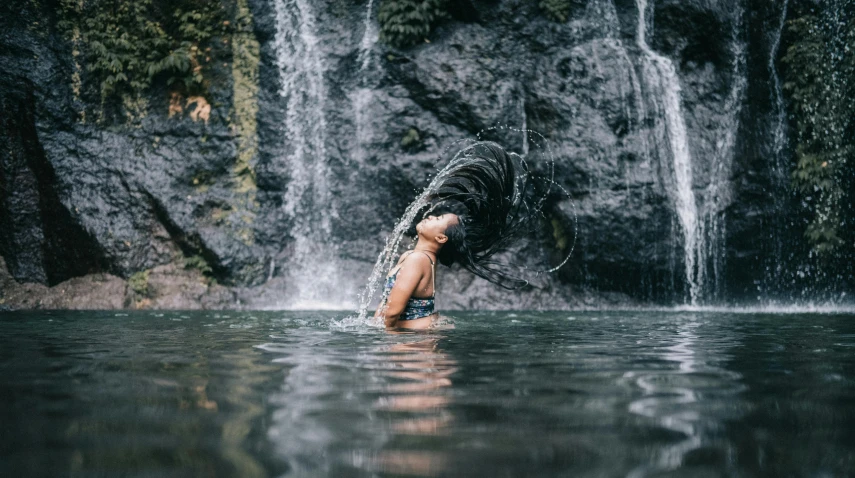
(590, 394)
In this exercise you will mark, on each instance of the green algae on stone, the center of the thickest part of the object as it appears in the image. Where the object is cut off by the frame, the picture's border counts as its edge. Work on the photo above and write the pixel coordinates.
(245, 52)
(138, 282)
(559, 234)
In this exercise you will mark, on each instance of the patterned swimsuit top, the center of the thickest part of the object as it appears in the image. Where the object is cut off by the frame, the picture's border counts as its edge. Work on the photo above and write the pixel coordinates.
(416, 308)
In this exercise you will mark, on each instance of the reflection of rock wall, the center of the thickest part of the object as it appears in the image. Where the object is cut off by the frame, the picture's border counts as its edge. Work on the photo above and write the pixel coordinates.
(79, 197)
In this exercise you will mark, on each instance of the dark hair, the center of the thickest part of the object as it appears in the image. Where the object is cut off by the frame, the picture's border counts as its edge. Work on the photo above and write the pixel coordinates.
(455, 245)
(486, 188)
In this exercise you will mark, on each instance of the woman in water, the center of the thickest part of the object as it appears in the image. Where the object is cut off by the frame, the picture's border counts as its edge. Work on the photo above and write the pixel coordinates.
(409, 293)
(476, 209)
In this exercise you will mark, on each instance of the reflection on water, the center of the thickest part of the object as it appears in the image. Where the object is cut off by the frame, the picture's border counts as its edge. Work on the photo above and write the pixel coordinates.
(682, 399)
(594, 394)
(396, 392)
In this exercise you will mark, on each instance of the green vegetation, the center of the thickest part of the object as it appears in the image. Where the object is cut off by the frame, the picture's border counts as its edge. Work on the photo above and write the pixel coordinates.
(411, 139)
(200, 264)
(559, 234)
(556, 10)
(127, 45)
(245, 59)
(139, 283)
(820, 83)
(406, 22)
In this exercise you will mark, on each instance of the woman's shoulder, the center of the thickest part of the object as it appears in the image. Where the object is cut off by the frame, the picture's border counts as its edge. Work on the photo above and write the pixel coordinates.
(412, 259)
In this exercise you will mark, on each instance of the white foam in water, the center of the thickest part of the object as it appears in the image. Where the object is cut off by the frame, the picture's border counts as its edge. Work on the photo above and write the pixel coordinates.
(771, 308)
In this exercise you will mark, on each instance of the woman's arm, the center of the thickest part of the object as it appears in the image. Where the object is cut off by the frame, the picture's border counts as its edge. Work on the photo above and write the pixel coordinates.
(408, 279)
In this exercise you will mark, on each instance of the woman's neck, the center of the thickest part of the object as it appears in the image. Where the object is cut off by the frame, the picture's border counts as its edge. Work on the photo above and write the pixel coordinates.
(427, 247)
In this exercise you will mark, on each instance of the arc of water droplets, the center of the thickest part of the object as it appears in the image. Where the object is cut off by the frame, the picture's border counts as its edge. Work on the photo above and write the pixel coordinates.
(389, 254)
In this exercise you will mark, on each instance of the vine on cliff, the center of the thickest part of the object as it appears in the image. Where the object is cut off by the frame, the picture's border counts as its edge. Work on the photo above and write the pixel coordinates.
(820, 82)
(556, 10)
(404, 23)
(127, 45)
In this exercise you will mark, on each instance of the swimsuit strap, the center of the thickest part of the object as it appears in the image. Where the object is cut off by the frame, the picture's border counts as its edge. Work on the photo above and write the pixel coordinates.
(432, 273)
(432, 269)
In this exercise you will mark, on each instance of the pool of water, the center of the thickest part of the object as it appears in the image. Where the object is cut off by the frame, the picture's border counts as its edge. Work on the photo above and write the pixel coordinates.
(586, 394)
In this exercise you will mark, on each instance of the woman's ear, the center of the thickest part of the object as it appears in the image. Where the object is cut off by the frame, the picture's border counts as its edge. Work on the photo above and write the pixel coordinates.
(441, 238)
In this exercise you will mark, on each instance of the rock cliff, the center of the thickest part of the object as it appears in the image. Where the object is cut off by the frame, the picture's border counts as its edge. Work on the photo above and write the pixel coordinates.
(277, 187)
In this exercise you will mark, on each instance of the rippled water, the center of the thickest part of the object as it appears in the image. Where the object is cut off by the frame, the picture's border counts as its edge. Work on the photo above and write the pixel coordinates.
(600, 394)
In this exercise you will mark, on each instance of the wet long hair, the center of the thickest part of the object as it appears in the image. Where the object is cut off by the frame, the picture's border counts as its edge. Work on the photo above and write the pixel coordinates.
(487, 188)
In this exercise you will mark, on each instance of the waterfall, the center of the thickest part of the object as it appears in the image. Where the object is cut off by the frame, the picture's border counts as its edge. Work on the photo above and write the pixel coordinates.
(603, 15)
(713, 245)
(662, 80)
(524, 131)
(363, 95)
(370, 36)
(308, 202)
(779, 160)
(779, 138)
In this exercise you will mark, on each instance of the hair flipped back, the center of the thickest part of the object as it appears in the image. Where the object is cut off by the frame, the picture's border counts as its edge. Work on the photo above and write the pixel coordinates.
(486, 189)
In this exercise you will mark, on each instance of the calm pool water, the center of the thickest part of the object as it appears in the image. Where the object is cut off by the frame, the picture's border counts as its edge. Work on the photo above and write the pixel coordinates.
(594, 394)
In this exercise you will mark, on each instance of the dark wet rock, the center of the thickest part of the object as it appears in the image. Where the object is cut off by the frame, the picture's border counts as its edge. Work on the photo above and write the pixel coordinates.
(164, 287)
(93, 291)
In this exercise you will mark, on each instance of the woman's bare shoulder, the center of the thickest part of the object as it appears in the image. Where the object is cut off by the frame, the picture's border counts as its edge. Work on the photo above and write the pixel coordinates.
(415, 262)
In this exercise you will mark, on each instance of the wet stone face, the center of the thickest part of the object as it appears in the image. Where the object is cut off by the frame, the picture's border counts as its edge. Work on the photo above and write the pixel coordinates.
(315, 137)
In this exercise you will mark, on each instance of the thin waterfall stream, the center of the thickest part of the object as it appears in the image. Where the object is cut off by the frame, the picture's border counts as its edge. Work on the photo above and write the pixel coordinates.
(716, 196)
(661, 78)
(308, 200)
(779, 159)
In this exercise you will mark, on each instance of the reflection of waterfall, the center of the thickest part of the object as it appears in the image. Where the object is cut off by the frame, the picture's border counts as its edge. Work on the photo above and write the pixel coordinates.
(308, 201)
(712, 246)
(661, 78)
(681, 399)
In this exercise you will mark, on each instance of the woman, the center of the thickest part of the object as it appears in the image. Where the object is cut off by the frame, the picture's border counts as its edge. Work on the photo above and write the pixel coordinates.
(409, 293)
(477, 208)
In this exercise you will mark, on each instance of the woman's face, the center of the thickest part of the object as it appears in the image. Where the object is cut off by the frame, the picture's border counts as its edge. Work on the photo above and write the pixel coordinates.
(434, 226)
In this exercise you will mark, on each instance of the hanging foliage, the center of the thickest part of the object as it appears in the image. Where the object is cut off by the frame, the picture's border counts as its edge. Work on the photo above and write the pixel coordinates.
(126, 45)
(820, 83)
(404, 23)
(556, 10)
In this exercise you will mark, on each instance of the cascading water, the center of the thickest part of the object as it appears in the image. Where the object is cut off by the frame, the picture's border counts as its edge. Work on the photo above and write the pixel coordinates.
(603, 15)
(779, 161)
(363, 95)
(779, 135)
(370, 36)
(661, 78)
(713, 244)
(308, 202)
